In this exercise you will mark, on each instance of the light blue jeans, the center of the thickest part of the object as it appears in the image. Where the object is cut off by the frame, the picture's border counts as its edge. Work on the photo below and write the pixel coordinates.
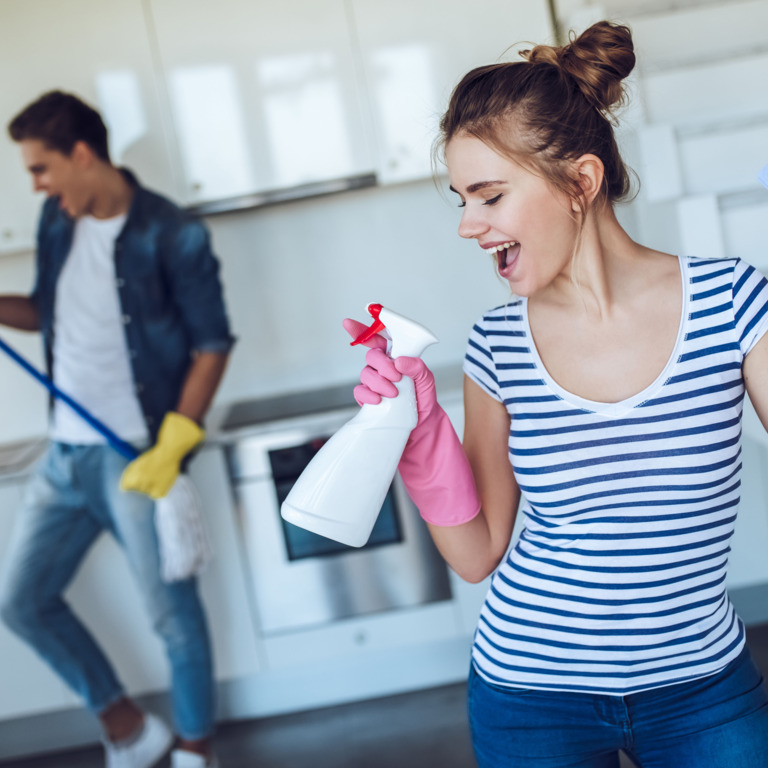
(72, 498)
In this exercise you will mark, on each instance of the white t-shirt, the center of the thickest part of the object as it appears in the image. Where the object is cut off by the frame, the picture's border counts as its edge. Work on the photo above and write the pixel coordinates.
(90, 353)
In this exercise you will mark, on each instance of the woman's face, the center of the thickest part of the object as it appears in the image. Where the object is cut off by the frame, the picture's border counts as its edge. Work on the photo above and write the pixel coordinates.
(529, 226)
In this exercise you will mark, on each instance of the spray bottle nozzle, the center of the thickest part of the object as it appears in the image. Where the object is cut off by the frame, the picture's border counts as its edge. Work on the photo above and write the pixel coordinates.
(374, 310)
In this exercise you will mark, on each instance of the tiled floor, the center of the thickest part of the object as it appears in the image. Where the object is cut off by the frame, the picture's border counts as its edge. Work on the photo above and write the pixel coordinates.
(423, 729)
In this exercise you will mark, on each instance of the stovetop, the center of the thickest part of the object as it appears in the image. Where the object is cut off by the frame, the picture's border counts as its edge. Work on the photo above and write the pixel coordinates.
(247, 413)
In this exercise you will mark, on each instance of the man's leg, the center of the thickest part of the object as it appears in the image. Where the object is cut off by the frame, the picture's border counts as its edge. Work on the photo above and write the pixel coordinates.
(175, 609)
(53, 532)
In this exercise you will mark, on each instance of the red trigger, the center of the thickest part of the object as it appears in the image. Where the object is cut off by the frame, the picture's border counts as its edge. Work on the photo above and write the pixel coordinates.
(374, 310)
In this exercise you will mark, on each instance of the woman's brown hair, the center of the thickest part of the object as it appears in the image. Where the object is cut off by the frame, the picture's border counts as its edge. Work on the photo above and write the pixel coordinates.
(551, 108)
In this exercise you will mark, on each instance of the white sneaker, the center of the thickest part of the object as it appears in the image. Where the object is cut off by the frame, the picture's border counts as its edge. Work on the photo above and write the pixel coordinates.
(181, 758)
(145, 750)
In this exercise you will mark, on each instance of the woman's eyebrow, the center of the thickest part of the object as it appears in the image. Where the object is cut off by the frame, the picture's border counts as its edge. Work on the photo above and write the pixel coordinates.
(478, 185)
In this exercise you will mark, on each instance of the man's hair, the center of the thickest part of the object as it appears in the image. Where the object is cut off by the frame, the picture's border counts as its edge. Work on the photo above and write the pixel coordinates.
(60, 120)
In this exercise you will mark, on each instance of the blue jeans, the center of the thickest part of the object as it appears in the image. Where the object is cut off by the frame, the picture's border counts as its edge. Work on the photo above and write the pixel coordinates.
(72, 498)
(719, 721)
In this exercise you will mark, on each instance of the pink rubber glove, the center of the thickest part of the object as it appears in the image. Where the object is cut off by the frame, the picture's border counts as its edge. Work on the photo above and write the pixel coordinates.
(434, 467)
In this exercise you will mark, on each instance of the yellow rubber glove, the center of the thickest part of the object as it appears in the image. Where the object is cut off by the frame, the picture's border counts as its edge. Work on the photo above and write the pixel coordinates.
(156, 470)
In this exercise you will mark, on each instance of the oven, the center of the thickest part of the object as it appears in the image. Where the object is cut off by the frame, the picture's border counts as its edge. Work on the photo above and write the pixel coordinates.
(300, 579)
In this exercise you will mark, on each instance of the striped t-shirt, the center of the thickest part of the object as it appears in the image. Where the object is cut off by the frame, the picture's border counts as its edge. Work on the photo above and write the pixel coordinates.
(617, 581)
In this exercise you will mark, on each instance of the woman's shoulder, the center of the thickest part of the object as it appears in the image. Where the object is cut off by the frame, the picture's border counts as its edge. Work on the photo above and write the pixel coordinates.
(705, 267)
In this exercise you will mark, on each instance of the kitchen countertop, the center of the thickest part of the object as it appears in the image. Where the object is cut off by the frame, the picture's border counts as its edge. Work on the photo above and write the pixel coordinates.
(17, 458)
(227, 422)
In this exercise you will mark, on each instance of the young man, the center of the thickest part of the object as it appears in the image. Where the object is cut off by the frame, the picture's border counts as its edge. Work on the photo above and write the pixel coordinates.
(129, 302)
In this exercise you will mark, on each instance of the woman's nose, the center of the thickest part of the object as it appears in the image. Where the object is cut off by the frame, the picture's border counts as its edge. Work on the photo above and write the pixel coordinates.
(471, 224)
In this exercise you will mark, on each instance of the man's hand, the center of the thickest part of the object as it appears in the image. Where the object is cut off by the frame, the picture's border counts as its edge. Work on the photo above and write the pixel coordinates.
(156, 470)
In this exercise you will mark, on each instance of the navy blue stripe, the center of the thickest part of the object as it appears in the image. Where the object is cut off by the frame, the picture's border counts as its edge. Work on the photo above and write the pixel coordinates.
(593, 461)
(638, 489)
(620, 423)
(584, 516)
(670, 471)
(711, 275)
(627, 438)
(620, 536)
(591, 568)
(616, 553)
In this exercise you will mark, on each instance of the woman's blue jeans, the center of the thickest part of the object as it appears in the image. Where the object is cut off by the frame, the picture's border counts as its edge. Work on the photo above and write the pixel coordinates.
(719, 721)
(72, 498)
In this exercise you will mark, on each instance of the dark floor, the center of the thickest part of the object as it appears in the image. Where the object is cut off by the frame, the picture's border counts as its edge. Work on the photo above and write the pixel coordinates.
(424, 729)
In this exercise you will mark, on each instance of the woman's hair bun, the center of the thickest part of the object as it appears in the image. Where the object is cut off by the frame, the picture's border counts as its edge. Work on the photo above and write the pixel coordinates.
(598, 60)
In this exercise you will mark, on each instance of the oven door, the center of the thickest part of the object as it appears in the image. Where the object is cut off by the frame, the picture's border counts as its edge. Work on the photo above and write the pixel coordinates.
(300, 579)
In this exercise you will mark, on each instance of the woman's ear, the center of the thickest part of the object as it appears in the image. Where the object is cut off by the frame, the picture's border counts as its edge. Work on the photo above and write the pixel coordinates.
(589, 173)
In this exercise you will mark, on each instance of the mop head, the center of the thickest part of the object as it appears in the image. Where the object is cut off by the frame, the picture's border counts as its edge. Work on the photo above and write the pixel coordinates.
(184, 546)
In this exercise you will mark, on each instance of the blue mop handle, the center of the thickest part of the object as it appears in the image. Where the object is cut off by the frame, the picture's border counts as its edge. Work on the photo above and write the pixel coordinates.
(121, 446)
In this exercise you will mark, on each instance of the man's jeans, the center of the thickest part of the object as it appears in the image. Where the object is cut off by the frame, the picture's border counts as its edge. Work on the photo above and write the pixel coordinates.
(73, 496)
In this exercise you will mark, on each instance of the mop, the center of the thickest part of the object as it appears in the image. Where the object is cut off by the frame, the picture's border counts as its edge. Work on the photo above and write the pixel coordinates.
(184, 546)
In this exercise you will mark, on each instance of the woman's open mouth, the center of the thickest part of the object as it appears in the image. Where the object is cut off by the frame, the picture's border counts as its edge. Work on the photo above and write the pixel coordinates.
(506, 255)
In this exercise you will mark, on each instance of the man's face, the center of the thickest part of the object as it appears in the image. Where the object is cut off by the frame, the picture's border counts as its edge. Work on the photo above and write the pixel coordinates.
(58, 175)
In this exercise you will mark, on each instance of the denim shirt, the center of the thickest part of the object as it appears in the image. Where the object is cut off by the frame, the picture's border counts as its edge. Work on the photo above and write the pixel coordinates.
(167, 280)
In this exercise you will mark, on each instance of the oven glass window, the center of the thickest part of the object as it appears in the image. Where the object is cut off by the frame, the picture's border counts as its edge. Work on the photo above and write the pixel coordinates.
(287, 465)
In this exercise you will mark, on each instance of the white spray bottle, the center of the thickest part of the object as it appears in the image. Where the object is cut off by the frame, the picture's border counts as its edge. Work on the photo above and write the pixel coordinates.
(340, 492)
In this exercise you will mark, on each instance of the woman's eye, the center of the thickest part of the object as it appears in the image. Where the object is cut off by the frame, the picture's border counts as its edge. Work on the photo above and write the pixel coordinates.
(463, 204)
(493, 200)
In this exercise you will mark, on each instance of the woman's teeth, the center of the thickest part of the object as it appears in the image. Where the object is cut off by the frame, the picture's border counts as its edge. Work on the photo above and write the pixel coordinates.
(502, 247)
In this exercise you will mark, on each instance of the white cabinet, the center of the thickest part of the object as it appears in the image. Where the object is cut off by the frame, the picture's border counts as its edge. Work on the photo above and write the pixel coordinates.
(209, 101)
(99, 51)
(27, 685)
(263, 95)
(413, 54)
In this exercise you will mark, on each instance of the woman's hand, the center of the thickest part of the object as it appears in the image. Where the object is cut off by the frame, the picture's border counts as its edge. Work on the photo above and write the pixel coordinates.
(381, 372)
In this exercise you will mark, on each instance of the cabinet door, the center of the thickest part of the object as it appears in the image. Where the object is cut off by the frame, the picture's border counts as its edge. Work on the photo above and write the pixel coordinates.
(27, 685)
(99, 51)
(263, 94)
(413, 54)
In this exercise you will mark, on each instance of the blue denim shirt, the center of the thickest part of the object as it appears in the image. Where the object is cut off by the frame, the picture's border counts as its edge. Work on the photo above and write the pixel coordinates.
(168, 284)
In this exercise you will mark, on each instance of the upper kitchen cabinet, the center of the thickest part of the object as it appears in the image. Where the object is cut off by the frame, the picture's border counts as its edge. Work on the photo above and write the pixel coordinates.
(101, 52)
(263, 95)
(414, 53)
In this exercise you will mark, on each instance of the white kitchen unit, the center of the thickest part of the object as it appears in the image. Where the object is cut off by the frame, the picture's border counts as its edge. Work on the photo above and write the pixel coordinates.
(263, 95)
(413, 54)
(99, 51)
(338, 623)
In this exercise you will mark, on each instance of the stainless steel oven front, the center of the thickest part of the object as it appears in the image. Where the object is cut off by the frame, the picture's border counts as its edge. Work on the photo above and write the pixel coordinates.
(300, 579)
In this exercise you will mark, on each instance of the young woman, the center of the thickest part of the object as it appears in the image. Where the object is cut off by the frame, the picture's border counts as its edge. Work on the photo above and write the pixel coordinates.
(606, 396)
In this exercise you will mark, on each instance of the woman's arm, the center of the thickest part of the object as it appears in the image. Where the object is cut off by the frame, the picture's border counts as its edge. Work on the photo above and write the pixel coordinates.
(755, 372)
(475, 549)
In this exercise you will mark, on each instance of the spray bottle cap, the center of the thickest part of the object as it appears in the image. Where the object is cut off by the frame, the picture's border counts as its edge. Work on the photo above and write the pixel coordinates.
(404, 336)
(374, 310)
